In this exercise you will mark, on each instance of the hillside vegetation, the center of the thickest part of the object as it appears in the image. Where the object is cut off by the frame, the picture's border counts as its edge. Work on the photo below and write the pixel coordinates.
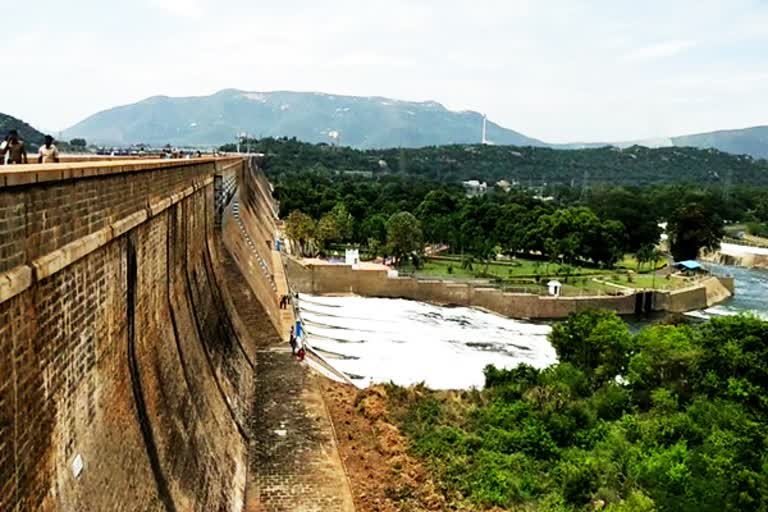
(530, 166)
(684, 429)
(28, 134)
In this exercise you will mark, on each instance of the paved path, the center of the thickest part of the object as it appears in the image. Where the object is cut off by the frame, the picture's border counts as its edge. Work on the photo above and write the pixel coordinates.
(294, 464)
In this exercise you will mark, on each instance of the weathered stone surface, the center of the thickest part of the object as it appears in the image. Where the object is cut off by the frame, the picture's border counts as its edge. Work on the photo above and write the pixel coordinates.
(116, 352)
(130, 343)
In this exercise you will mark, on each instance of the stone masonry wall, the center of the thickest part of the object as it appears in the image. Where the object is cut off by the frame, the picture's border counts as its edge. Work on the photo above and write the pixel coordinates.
(123, 381)
(248, 234)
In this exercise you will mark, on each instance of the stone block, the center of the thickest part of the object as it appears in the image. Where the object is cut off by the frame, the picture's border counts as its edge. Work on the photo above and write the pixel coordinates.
(14, 282)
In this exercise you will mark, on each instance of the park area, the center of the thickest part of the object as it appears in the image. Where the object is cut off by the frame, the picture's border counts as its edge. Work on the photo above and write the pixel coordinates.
(531, 275)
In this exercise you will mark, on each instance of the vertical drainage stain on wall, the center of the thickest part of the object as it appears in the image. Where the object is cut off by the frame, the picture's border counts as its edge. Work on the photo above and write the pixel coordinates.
(138, 394)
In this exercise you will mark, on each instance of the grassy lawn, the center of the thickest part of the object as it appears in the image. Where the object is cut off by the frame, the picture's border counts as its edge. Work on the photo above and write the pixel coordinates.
(629, 262)
(519, 275)
(648, 281)
(499, 269)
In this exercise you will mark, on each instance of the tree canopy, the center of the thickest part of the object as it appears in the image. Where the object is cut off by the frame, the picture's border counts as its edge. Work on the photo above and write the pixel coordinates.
(673, 418)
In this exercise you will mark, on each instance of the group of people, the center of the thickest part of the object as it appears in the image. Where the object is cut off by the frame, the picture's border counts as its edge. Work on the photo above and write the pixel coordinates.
(173, 154)
(14, 151)
(297, 347)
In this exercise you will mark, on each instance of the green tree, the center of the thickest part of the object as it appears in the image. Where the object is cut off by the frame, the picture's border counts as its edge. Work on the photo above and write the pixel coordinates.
(78, 143)
(693, 227)
(327, 231)
(597, 342)
(636, 212)
(343, 221)
(404, 236)
(300, 228)
(374, 228)
(666, 357)
(646, 254)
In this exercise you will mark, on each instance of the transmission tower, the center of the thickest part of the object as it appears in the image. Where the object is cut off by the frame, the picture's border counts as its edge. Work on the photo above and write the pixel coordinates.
(585, 188)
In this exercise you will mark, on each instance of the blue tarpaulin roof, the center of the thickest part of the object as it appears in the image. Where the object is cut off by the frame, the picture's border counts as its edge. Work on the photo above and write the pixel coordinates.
(689, 265)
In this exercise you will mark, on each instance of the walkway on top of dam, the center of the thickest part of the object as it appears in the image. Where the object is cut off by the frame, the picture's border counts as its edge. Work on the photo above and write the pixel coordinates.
(294, 464)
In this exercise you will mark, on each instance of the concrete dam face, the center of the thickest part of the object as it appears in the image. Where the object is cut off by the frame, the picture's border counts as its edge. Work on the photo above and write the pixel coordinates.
(126, 372)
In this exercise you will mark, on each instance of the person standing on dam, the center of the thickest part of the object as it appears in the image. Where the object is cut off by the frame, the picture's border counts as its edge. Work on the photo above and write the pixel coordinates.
(48, 153)
(17, 151)
(292, 341)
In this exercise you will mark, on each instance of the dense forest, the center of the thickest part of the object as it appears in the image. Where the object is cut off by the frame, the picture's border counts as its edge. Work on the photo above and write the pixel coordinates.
(529, 166)
(598, 228)
(546, 196)
(674, 418)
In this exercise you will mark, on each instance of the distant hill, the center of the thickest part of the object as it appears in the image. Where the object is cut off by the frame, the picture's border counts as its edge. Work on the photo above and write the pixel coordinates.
(360, 122)
(28, 134)
(747, 141)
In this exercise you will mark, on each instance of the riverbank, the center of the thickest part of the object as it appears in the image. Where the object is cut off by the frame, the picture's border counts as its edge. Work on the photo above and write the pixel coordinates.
(384, 476)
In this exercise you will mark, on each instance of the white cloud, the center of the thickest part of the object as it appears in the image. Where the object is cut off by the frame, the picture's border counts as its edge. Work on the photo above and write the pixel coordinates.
(180, 8)
(556, 70)
(660, 50)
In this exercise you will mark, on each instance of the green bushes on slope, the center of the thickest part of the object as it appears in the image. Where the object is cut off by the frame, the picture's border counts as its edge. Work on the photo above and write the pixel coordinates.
(683, 428)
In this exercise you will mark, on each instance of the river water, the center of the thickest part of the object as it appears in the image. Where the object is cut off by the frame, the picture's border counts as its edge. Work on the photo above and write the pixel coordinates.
(751, 291)
(380, 340)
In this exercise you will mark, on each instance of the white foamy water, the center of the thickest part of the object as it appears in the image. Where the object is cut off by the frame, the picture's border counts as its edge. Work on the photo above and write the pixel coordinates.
(407, 342)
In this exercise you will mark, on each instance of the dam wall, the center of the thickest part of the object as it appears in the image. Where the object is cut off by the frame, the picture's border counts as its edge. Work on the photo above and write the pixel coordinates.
(249, 234)
(343, 279)
(126, 374)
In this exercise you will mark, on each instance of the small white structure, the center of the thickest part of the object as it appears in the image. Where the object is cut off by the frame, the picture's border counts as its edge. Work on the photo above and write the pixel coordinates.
(555, 287)
(474, 188)
(352, 257)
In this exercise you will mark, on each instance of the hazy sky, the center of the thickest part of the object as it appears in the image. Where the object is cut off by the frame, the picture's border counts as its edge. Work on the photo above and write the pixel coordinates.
(561, 70)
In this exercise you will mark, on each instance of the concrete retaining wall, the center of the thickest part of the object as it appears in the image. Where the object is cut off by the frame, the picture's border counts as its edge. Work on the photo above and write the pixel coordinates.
(343, 279)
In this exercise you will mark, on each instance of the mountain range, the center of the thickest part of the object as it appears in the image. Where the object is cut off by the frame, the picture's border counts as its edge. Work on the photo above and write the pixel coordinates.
(360, 122)
(355, 121)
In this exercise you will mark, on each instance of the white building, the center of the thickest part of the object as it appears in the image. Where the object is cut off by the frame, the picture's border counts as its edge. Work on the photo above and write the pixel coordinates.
(475, 188)
(555, 287)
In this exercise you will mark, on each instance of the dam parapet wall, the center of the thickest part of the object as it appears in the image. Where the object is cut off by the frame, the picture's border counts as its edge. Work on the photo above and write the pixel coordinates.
(126, 377)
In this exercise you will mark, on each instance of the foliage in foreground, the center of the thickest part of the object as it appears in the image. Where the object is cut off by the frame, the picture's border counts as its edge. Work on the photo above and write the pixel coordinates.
(683, 429)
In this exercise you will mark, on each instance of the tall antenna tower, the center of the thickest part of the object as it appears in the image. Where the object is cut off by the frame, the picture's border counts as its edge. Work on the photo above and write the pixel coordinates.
(485, 130)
